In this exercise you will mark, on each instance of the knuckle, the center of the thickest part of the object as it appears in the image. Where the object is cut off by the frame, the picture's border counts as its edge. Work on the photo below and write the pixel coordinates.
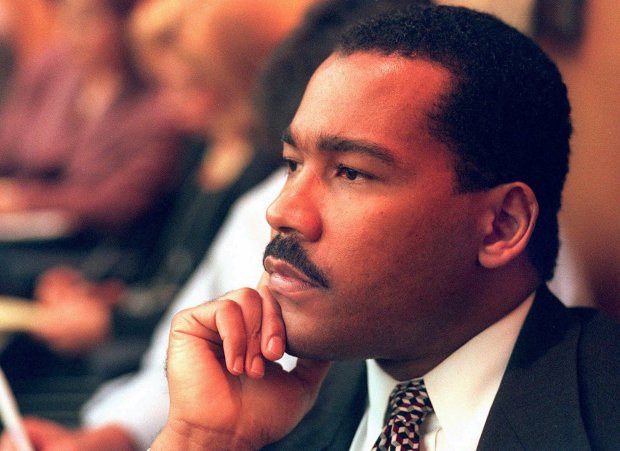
(248, 298)
(178, 318)
(255, 333)
(228, 307)
(248, 295)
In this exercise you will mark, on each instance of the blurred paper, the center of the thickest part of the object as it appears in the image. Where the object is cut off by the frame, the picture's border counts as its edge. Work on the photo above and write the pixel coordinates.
(17, 314)
(34, 225)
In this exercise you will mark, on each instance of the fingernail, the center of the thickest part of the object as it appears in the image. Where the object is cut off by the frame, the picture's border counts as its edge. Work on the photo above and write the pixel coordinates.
(238, 365)
(257, 366)
(275, 346)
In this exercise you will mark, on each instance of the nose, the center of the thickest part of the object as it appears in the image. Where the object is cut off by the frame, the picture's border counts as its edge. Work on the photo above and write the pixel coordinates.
(295, 211)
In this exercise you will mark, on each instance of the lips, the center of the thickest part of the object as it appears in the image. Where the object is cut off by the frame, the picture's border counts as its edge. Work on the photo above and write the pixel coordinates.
(284, 278)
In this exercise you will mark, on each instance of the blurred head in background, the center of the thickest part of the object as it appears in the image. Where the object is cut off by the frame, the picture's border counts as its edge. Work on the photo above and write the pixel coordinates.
(95, 32)
(207, 56)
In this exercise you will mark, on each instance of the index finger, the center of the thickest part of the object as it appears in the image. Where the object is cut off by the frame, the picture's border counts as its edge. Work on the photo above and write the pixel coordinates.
(273, 337)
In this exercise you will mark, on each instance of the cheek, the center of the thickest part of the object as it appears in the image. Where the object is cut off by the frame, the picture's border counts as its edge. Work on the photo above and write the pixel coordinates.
(366, 246)
(400, 249)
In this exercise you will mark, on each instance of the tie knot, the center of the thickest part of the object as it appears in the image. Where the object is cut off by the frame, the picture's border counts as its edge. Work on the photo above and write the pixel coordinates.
(409, 403)
(410, 399)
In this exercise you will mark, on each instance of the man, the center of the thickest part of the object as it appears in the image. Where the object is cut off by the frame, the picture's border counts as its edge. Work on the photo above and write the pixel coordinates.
(416, 229)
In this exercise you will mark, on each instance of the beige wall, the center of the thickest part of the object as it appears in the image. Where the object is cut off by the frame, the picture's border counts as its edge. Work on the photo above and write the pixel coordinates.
(591, 214)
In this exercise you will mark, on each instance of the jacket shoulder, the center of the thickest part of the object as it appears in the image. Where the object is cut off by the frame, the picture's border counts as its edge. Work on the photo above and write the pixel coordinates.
(598, 369)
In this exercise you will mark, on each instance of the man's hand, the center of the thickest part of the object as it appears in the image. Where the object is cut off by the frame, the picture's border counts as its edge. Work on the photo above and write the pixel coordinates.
(225, 390)
(75, 313)
(49, 436)
(63, 283)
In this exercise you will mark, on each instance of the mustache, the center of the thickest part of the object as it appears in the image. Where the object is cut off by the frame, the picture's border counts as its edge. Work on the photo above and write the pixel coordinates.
(289, 250)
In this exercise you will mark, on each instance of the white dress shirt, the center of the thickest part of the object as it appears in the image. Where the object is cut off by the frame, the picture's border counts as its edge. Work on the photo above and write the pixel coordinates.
(461, 389)
(139, 403)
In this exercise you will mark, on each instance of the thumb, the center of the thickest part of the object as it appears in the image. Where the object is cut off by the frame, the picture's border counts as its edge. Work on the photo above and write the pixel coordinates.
(310, 374)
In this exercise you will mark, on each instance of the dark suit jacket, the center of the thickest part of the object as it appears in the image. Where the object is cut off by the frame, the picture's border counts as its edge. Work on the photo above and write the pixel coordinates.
(561, 390)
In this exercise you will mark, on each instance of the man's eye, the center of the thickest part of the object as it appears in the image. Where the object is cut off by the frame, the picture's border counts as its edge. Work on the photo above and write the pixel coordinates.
(350, 174)
(290, 164)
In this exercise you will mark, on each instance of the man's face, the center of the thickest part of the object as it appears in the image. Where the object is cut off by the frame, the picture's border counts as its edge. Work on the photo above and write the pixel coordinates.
(370, 201)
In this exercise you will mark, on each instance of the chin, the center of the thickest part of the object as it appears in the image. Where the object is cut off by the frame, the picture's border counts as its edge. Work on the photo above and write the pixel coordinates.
(309, 347)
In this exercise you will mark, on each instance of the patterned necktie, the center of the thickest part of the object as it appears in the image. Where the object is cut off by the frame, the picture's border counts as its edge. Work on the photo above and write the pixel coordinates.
(409, 403)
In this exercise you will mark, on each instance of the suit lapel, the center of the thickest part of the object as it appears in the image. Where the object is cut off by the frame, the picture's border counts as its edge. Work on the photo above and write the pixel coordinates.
(537, 404)
(332, 422)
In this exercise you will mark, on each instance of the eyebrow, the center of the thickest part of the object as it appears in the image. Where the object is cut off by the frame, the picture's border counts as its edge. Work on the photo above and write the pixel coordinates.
(337, 144)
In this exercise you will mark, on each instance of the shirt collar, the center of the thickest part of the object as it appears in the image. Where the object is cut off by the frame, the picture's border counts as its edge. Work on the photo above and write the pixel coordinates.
(461, 388)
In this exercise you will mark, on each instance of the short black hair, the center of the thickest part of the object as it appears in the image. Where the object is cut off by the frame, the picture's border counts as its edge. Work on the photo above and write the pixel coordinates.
(283, 81)
(506, 117)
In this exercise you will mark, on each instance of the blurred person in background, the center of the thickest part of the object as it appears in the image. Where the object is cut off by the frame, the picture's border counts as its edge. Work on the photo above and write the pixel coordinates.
(222, 121)
(208, 84)
(127, 412)
(85, 144)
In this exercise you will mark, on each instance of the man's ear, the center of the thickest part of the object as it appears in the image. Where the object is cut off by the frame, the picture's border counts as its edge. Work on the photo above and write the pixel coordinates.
(513, 210)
